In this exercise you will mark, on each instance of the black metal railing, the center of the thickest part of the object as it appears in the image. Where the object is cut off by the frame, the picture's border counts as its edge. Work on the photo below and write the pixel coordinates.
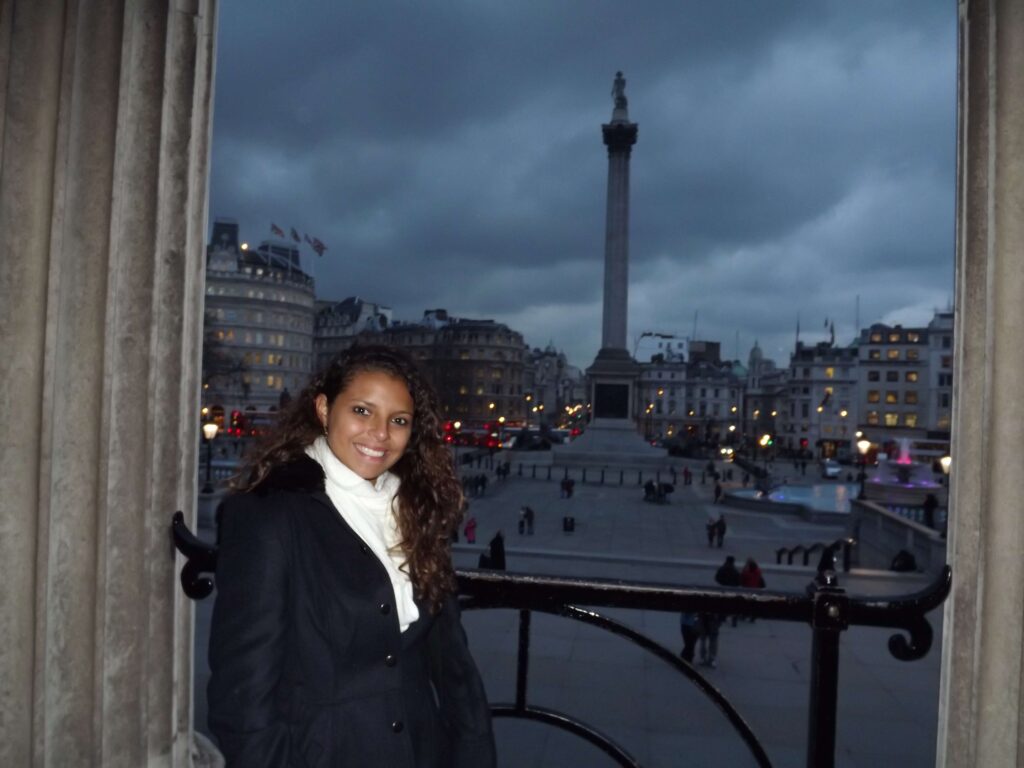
(828, 609)
(827, 559)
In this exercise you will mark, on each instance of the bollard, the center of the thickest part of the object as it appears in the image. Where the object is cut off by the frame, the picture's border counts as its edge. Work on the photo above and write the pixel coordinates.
(568, 524)
(534, 475)
(549, 473)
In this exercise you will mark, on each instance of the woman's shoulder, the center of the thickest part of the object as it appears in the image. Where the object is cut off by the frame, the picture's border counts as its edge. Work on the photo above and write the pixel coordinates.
(264, 508)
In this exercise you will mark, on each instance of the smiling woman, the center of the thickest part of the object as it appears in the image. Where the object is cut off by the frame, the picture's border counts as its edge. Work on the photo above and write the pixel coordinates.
(336, 638)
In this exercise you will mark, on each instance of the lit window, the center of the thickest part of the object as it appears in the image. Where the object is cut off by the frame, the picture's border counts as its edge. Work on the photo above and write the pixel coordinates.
(872, 417)
(874, 354)
(911, 376)
(913, 337)
(912, 354)
(892, 396)
(892, 419)
(894, 338)
(910, 419)
(893, 354)
(876, 337)
(874, 396)
(830, 372)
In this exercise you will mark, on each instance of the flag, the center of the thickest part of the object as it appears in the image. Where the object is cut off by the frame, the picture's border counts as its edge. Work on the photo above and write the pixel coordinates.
(295, 236)
(308, 240)
(276, 230)
(832, 333)
(318, 247)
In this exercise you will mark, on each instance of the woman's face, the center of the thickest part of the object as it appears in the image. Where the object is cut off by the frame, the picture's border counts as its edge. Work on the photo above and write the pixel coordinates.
(369, 423)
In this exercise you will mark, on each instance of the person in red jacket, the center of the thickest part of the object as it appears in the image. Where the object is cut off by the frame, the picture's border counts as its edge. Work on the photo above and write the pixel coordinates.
(751, 578)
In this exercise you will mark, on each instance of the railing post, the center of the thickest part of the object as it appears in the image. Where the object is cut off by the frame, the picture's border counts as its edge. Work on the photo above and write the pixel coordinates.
(829, 618)
(523, 661)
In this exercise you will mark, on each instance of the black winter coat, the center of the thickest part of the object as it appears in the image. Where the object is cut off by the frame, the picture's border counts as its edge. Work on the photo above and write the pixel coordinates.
(309, 667)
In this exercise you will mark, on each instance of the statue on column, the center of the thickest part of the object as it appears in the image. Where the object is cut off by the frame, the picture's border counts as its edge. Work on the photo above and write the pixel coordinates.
(619, 91)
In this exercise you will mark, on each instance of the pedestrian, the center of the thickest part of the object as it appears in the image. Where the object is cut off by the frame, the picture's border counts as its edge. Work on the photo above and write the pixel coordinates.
(687, 476)
(720, 528)
(689, 626)
(570, 485)
(529, 520)
(497, 551)
(751, 578)
(564, 488)
(718, 492)
(470, 530)
(707, 645)
(522, 520)
(728, 576)
(712, 528)
(346, 510)
(483, 484)
(931, 503)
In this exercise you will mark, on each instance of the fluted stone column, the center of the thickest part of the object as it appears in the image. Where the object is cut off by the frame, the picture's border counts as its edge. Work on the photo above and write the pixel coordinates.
(982, 671)
(105, 120)
(619, 137)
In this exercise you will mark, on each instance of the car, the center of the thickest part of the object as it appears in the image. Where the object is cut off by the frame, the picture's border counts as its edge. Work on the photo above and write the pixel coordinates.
(830, 469)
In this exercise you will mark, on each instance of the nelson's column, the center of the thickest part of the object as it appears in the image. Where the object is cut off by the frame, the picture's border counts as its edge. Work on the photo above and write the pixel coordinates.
(612, 434)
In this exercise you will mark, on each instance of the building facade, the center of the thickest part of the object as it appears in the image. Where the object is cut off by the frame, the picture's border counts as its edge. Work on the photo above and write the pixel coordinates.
(258, 329)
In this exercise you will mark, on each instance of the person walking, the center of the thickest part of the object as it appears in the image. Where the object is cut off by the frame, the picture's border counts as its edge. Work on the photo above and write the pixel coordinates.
(470, 530)
(689, 626)
(720, 528)
(497, 551)
(727, 575)
(529, 520)
(707, 645)
(751, 578)
(712, 528)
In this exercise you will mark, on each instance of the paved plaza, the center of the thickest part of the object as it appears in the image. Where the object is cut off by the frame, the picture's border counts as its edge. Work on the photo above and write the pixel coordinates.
(887, 708)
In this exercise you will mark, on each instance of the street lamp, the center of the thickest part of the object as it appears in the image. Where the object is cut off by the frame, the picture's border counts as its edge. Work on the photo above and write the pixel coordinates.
(945, 462)
(209, 432)
(863, 446)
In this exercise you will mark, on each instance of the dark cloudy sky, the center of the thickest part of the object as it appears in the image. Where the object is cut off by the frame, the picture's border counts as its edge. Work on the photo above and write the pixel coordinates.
(791, 156)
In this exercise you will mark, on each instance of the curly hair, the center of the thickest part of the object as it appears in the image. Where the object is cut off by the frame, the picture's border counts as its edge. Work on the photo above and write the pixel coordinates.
(429, 502)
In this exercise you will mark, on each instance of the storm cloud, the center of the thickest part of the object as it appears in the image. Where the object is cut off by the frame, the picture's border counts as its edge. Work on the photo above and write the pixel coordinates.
(794, 158)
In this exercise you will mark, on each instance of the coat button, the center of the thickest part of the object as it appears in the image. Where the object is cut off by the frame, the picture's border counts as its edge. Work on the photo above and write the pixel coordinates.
(366, 549)
(390, 660)
(385, 608)
(397, 726)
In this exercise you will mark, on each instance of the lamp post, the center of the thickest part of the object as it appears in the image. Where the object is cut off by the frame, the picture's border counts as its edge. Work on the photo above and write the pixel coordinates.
(945, 462)
(863, 446)
(209, 432)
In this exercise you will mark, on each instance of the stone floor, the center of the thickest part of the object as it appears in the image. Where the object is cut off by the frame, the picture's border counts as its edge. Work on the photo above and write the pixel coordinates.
(887, 708)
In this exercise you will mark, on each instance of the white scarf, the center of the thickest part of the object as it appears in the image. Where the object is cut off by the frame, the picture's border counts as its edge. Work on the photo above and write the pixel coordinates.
(368, 508)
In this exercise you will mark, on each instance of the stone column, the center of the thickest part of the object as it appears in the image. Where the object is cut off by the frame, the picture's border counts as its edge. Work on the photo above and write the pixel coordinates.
(105, 126)
(619, 136)
(982, 674)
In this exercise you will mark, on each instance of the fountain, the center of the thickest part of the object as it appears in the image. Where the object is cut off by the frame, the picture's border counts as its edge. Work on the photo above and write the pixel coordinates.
(900, 480)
